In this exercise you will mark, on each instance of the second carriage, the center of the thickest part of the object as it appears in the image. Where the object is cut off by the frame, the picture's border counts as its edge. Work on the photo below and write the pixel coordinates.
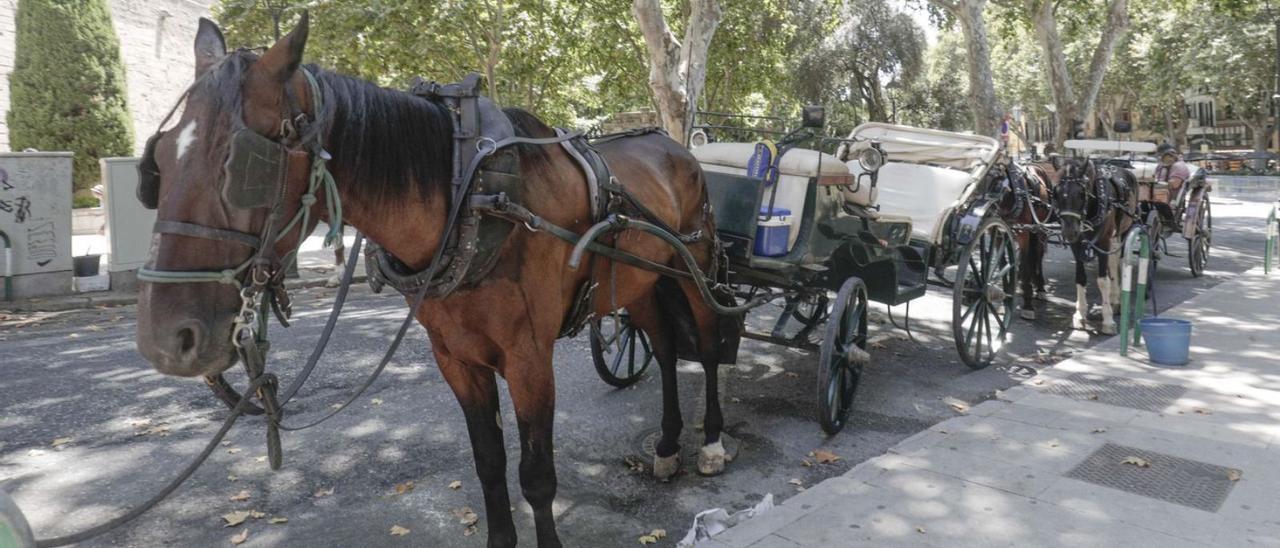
(825, 226)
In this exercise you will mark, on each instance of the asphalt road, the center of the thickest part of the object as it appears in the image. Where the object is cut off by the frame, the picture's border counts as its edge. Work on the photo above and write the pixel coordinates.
(121, 431)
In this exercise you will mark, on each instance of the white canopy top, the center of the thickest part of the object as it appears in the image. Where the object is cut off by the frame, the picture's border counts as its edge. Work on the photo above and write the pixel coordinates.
(929, 146)
(1100, 145)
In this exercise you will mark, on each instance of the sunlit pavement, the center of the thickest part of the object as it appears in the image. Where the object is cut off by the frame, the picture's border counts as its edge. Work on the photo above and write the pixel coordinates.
(1100, 450)
(123, 430)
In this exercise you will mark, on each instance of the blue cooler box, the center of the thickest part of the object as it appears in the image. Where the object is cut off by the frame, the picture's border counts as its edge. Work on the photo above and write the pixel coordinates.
(772, 234)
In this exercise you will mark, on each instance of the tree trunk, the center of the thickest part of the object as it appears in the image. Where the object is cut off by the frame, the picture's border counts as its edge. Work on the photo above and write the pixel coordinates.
(1069, 107)
(1260, 137)
(677, 73)
(987, 113)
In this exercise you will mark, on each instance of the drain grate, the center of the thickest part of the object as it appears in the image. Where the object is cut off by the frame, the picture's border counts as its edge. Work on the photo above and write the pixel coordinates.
(1171, 479)
(1118, 391)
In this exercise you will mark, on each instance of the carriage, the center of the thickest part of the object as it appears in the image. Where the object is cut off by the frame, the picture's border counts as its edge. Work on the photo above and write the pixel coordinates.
(1187, 213)
(866, 217)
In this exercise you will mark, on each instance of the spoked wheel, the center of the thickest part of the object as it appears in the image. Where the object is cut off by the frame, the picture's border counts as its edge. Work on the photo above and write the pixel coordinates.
(1199, 255)
(843, 355)
(621, 352)
(983, 297)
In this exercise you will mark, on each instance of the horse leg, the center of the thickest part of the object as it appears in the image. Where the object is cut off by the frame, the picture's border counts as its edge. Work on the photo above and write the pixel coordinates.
(533, 393)
(712, 457)
(1025, 275)
(1104, 289)
(1040, 244)
(477, 393)
(646, 316)
(1081, 318)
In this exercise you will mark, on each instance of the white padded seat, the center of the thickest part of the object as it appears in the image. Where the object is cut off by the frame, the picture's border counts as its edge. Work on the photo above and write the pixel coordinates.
(921, 192)
(798, 162)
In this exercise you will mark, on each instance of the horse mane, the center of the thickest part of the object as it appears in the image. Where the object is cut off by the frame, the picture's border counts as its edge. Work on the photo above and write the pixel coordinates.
(388, 142)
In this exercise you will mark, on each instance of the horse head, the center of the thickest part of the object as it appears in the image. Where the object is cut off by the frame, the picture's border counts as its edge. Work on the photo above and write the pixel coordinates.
(225, 179)
(1073, 196)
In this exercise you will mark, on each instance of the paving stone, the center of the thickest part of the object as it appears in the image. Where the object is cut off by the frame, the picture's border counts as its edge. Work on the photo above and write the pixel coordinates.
(1095, 501)
(752, 530)
(774, 541)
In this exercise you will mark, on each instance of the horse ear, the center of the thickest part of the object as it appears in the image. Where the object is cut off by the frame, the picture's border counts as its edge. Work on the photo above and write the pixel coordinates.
(283, 59)
(211, 47)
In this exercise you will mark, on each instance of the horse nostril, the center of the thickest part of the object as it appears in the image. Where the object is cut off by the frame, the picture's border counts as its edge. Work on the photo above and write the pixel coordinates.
(186, 340)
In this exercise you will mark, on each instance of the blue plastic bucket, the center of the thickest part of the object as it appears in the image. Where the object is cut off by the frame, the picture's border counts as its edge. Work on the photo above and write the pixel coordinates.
(1168, 340)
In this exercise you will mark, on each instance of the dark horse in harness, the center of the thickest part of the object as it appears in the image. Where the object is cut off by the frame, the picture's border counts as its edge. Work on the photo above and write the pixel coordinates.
(1096, 205)
(390, 155)
(1026, 207)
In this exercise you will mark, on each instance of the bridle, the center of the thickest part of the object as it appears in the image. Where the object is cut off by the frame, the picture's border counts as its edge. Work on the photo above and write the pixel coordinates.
(256, 176)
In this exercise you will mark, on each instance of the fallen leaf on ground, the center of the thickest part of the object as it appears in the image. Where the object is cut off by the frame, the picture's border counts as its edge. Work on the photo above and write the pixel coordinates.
(399, 531)
(1099, 430)
(1093, 397)
(240, 497)
(466, 515)
(960, 406)
(278, 520)
(1234, 475)
(234, 450)
(235, 518)
(241, 537)
(825, 457)
(321, 493)
(1137, 461)
(793, 374)
(1054, 442)
(920, 530)
(262, 458)
(1038, 382)
(58, 442)
(336, 406)
(455, 485)
(647, 539)
(634, 463)
(255, 514)
(806, 463)
(659, 533)
(795, 481)
(402, 488)
(470, 530)
(376, 401)
(232, 477)
(226, 443)
(1203, 411)
(877, 345)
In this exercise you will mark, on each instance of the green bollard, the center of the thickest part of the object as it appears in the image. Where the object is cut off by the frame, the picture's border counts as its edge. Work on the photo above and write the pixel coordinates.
(1136, 242)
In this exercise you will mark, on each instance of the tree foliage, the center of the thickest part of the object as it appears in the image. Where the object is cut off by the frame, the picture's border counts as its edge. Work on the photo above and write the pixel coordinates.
(68, 85)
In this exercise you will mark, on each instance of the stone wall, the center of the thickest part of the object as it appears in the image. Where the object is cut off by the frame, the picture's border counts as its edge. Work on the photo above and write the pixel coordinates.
(156, 45)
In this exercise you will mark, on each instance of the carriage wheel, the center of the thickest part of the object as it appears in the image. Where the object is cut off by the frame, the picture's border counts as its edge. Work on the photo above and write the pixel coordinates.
(843, 355)
(621, 352)
(1199, 255)
(983, 297)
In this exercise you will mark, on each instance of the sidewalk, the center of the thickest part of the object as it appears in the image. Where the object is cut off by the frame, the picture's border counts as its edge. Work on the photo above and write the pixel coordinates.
(1044, 465)
(315, 269)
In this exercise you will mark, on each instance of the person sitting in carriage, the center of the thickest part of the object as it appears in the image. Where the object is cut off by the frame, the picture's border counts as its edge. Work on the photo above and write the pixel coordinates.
(1171, 171)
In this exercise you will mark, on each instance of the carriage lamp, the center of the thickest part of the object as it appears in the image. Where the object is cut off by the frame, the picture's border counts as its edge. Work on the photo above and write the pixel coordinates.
(871, 158)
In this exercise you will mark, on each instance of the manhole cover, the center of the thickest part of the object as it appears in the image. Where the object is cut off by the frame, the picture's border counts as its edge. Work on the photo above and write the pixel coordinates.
(1118, 391)
(1172, 479)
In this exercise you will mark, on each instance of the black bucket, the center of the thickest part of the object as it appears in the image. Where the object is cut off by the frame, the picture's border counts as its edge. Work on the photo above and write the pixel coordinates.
(86, 265)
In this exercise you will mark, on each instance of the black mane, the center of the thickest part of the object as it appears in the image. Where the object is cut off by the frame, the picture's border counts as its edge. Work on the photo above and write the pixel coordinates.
(387, 142)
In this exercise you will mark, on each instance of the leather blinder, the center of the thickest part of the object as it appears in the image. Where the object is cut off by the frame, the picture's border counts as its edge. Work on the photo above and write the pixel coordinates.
(255, 171)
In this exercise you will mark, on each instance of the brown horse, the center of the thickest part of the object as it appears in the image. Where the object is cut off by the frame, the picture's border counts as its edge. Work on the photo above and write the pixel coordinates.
(1026, 207)
(391, 159)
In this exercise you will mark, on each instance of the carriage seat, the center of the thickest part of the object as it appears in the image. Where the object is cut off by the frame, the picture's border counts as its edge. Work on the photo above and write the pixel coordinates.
(924, 193)
(796, 168)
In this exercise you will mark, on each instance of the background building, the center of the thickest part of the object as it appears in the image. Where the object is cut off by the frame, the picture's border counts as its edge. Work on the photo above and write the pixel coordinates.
(156, 39)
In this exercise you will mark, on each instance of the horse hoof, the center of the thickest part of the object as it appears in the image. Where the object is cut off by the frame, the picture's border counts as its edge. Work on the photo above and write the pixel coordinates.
(665, 467)
(712, 458)
(1029, 315)
(1078, 323)
(1108, 329)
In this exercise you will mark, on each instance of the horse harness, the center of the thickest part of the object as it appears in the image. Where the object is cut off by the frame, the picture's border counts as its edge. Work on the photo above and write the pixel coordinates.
(488, 187)
(1105, 189)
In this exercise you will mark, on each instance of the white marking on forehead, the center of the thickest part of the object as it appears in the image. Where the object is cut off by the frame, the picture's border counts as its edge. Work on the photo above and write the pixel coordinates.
(186, 138)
